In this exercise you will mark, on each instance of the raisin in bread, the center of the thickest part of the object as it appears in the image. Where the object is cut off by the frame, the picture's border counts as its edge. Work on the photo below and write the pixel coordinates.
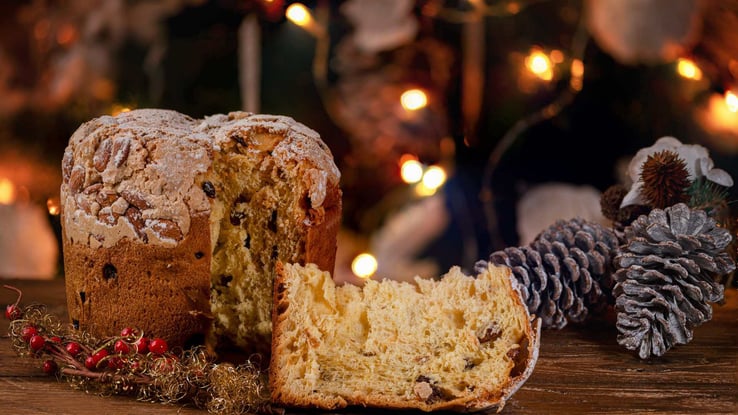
(173, 224)
(459, 343)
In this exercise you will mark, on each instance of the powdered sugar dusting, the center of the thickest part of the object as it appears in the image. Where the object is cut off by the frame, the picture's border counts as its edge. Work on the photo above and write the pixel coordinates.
(136, 175)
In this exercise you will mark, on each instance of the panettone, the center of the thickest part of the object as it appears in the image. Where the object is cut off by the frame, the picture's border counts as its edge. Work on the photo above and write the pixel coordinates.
(462, 343)
(173, 225)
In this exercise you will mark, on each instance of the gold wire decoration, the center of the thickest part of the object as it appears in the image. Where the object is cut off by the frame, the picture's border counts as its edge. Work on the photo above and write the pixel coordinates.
(188, 377)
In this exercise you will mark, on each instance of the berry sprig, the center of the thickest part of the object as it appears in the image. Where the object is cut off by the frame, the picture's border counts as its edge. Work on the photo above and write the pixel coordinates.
(136, 365)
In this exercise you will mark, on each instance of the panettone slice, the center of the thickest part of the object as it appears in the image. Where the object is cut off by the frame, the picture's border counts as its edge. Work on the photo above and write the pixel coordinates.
(457, 343)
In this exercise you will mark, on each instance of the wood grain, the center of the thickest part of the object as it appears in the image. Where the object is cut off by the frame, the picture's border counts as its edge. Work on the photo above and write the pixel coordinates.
(581, 370)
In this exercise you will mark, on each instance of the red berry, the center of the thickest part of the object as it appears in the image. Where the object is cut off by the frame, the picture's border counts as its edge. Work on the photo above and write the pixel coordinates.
(55, 339)
(158, 346)
(100, 355)
(12, 312)
(36, 342)
(90, 363)
(73, 348)
(115, 362)
(127, 332)
(121, 347)
(28, 332)
(50, 367)
(142, 345)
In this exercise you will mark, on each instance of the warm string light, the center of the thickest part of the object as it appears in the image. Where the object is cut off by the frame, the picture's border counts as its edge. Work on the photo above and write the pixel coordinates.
(686, 68)
(433, 178)
(119, 109)
(7, 192)
(427, 179)
(539, 64)
(577, 74)
(731, 101)
(413, 99)
(411, 171)
(298, 14)
(720, 120)
(53, 205)
(364, 265)
(556, 56)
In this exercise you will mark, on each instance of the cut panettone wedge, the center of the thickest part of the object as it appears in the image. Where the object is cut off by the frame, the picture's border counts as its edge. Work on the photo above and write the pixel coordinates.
(457, 343)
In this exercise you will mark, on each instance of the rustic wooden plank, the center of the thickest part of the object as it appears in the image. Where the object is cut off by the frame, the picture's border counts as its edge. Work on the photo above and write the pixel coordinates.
(581, 370)
(47, 396)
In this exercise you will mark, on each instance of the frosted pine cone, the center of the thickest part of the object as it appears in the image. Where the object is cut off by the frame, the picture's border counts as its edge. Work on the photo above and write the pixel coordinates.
(666, 278)
(565, 272)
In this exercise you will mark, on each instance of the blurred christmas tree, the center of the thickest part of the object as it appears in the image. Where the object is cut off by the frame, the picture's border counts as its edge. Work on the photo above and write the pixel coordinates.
(442, 115)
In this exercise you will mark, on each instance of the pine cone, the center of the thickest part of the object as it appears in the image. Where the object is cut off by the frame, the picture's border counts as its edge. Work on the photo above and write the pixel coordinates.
(666, 277)
(565, 272)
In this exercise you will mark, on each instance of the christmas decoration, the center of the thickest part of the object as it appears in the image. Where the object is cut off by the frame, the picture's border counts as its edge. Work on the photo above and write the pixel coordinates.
(565, 272)
(544, 204)
(134, 365)
(665, 179)
(696, 160)
(610, 202)
(640, 31)
(381, 24)
(665, 279)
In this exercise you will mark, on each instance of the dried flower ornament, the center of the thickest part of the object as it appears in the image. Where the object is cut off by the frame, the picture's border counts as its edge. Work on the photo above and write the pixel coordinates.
(665, 179)
(696, 160)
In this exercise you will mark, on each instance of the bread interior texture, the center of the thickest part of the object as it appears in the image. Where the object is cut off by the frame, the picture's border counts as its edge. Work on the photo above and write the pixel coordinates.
(253, 199)
(396, 343)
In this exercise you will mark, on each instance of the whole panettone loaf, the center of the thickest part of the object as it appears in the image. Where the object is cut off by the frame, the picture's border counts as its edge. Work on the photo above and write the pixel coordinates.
(173, 224)
(460, 343)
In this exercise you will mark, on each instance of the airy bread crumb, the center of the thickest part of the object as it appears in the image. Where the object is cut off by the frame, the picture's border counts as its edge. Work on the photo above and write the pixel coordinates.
(461, 343)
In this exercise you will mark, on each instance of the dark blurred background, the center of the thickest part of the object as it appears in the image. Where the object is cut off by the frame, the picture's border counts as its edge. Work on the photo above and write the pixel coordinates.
(520, 95)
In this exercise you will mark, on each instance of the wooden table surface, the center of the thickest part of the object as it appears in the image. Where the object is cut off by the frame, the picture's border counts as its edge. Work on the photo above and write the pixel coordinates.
(581, 370)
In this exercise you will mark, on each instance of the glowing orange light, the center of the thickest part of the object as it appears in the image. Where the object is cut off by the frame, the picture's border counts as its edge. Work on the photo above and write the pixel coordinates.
(66, 35)
(53, 205)
(433, 178)
(540, 65)
(731, 100)
(556, 56)
(7, 192)
(513, 7)
(411, 171)
(577, 68)
(364, 265)
(298, 14)
(413, 99)
(119, 109)
(577, 73)
(688, 69)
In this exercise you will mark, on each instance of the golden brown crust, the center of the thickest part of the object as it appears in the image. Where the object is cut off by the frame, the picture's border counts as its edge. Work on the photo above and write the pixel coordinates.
(139, 197)
(164, 291)
(320, 242)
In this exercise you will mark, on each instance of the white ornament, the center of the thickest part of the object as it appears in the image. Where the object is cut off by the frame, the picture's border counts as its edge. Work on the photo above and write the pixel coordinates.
(696, 158)
(541, 206)
(28, 247)
(644, 31)
(381, 24)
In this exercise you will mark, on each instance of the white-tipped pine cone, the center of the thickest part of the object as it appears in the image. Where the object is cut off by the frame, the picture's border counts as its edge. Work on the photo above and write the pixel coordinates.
(666, 277)
(565, 272)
